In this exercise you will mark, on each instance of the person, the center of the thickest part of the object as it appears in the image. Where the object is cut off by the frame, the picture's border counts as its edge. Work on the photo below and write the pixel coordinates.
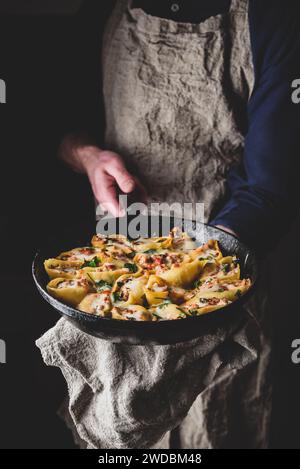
(197, 99)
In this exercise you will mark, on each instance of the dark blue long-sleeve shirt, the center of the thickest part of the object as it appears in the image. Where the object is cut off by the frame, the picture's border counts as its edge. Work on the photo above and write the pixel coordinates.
(262, 191)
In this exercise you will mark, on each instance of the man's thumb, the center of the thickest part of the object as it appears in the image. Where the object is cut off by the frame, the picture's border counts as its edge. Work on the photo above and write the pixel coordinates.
(124, 179)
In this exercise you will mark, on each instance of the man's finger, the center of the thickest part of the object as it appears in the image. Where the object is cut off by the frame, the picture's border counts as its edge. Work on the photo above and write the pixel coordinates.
(124, 179)
(106, 193)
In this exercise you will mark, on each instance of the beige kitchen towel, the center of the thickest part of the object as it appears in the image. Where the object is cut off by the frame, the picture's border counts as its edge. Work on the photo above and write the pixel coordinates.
(123, 396)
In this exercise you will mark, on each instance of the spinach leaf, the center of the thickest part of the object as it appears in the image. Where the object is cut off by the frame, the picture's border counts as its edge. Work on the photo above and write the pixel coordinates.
(131, 255)
(102, 286)
(164, 304)
(225, 268)
(116, 296)
(145, 302)
(193, 313)
(197, 284)
(95, 262)
(131, 267)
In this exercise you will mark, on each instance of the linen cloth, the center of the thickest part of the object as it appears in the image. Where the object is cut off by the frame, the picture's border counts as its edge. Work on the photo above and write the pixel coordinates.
(215, 388)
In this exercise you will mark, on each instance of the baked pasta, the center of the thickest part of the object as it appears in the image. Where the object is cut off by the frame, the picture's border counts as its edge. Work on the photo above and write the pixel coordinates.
(154, 279)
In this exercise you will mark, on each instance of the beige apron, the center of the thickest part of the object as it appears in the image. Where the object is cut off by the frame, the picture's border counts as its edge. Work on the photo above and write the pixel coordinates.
(175, 100)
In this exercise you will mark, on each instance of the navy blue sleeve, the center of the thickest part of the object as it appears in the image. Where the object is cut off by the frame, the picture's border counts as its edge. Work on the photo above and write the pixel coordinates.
(263, 190)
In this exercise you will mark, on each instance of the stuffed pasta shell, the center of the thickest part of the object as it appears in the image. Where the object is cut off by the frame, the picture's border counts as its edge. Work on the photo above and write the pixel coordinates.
(129, 290)
(71, 291)
(154, 279)
(63, 269)
(156, 290)
(184, 275)
(84, 254)
(131, 313)
(98, 304)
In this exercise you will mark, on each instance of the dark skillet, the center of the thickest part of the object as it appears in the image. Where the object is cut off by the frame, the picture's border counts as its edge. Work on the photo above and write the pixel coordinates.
(141, 333)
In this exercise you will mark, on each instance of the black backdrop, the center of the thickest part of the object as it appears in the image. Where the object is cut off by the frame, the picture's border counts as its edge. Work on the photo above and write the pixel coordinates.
(51, 64)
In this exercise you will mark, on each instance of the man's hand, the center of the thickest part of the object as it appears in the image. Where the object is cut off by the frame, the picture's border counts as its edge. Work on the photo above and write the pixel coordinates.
(108, 177)
(106, 171)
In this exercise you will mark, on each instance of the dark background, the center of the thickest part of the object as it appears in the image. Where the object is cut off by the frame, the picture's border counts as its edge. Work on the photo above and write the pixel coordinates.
(50, 59)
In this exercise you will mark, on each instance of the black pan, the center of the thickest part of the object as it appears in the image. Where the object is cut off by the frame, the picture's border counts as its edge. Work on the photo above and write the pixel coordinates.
(141, 333)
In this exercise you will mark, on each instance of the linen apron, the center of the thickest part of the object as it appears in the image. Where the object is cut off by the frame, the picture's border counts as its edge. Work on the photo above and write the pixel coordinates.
(175, 98)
